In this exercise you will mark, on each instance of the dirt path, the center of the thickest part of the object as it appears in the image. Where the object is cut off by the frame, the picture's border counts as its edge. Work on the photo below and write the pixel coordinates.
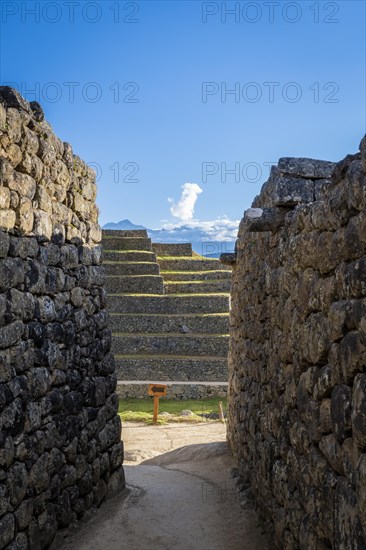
(142, 442)
(179, 496)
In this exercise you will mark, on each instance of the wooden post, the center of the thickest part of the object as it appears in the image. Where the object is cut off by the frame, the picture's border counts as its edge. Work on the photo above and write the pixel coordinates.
(221, 413)
(156, 390)
(156, 409)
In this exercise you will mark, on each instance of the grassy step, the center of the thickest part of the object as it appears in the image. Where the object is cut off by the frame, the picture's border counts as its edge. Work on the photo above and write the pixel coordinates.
(171, 344)
(189, 264)
(128, 256)
(131, 322)
(165, 367)
(140, 233)
(174, 249)
(185, 303)
(131, 268)
(151, 284)
(176, 287)
(216, 274)
(126, 243)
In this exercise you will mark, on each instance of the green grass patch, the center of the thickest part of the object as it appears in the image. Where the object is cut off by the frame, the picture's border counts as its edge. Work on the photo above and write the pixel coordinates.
(171, 272)
(195, 257)
(141, 410)
(195, 282)
(130, 251)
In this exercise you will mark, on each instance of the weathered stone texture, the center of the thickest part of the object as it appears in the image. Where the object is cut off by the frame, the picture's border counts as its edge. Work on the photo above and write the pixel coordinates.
(297, 387)
(60, 448)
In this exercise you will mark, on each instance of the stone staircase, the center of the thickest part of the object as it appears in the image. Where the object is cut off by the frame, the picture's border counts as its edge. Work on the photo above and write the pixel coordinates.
(169, 314)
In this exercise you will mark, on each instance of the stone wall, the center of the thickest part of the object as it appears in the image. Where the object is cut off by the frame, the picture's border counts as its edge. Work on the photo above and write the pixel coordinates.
(60, 449)
(297, 360)
(172, 249)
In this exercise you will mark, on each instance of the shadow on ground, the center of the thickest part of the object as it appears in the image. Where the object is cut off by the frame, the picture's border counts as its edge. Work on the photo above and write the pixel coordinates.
(182, 499)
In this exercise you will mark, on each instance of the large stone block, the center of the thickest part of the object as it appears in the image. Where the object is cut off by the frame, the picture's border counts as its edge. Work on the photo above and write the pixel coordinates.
(306, 167)
(7, 219)
(7, 529)
(10, 97)
(347, 525)
(363, 153)
(4, 243)
(359, 410)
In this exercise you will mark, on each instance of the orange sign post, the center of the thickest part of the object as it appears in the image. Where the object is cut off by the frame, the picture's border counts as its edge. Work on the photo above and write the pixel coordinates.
(157, 390)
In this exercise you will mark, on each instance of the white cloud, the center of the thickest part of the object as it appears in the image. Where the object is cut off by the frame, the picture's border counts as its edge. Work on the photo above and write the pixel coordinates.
(184, 209)
(222, 229)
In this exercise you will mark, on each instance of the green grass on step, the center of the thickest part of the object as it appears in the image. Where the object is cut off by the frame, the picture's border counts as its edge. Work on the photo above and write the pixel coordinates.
(195, 282)
(127, 263)
(129, 251)
(139, 416)
(171, 272)
(196, 258)
(141, 410)
(147, 418)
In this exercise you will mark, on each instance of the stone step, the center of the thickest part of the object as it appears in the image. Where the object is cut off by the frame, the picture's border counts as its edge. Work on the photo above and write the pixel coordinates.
(176, 287)
(175, 390)
(121, 256)
(147, 323)
(144, 284)
(216, 345)
(126, 243)
(171, 367)
(173, 249)
(140, 233)
(189, 264)
(196, 275)
(184, 303)
(131, 268)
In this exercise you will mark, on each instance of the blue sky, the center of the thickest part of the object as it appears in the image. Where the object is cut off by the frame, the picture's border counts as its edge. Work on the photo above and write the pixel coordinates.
(140, 109)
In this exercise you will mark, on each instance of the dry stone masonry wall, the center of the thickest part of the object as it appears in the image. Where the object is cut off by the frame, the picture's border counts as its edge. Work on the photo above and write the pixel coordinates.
(60, 449)
(297, 360)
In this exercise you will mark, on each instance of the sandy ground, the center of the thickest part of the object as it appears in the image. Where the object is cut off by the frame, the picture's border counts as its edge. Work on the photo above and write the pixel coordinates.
(142, 442)
(179, 496)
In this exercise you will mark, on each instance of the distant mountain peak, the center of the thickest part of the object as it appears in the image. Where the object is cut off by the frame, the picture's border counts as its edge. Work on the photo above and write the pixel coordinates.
(123, 224)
